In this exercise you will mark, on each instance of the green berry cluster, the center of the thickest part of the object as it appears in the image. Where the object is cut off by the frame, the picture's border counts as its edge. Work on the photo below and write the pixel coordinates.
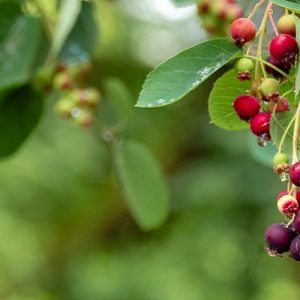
(76, 102)
(217, 15)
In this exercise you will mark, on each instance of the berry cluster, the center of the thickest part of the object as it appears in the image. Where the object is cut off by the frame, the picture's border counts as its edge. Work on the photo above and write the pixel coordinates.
(76, 103)
(217, 15)
(268, 71)
(264, 98)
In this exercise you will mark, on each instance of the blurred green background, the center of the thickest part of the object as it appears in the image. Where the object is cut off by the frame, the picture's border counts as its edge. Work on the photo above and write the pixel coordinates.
(65, 231)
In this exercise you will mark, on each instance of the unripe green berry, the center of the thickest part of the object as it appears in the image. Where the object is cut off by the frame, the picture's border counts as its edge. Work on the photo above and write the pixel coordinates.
(89, 97)
(64, 108)
(244, 65)
(269, 87)
(62, 81)
(84, 119)
(280, 159)
(80, 71)
(218, 9)
(286, 24)
(210, 23)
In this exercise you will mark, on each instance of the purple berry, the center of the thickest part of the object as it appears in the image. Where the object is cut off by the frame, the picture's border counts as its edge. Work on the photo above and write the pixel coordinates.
(295, 173)
(295, 248)
(278, 238)
(296, 222)
(282, 65)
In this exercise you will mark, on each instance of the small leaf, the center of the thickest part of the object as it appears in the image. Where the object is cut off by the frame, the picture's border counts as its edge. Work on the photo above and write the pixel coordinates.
(291, 5)
(179, 75)
(20, 112)
(18, 53)
(80, 43)
(119, 100)
(68, 14)
(220, 108)
(142, 183)
(279, 124)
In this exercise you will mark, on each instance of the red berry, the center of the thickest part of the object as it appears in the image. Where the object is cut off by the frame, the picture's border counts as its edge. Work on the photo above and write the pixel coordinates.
(246, 106)
(242, 31)
(260, 124)
(284, 47)
(295, 173)
(298, 197)
(281, 105)
(278, 237)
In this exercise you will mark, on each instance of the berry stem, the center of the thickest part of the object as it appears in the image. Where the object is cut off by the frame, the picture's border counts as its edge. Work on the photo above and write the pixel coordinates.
(296, 134)
(272, 22)
(255, 8)
(271, 66)
(285, 132)
(262, 30)
(286, 93)
(47, 22)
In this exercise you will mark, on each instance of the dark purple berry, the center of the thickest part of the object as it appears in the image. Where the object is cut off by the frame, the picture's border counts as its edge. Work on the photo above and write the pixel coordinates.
(295, 248)
(296, 222)
(295, 173)
(283, 66)
(278, 238)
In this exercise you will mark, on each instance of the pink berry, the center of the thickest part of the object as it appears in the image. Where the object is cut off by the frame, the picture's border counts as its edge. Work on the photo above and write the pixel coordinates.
(242, 31)
(246, 106)
(281, 194)
(284, 47)
(260, 124)
(295, 173)
(287, 205)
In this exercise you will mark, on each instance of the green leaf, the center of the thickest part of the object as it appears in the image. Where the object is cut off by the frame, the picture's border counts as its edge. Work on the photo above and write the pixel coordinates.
(18, 53)
(142, 183)
(179, 75)
(68, 14)
(20, 112)
(291, 5)
(119, 100)
(81, 42)
(220, 108)
(263, 155)
(10, 11)
(182, 3)
(279, 124)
